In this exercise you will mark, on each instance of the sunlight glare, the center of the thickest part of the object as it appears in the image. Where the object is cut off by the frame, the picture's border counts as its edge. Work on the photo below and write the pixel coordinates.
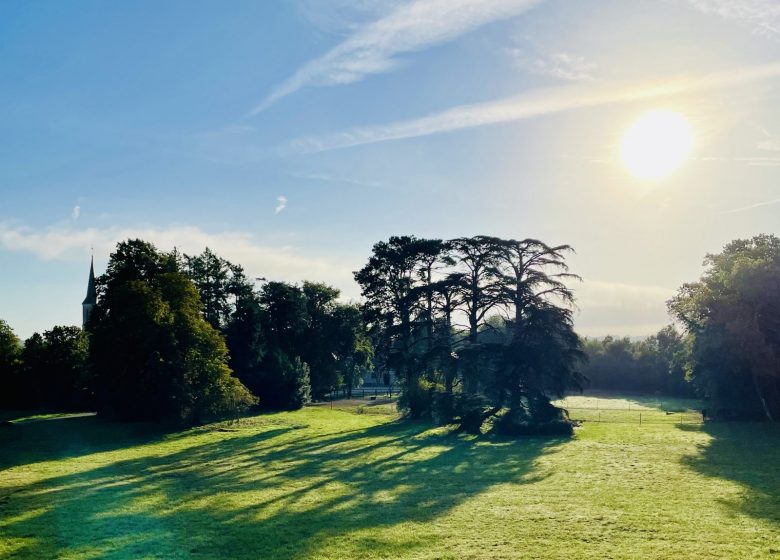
(656, 144)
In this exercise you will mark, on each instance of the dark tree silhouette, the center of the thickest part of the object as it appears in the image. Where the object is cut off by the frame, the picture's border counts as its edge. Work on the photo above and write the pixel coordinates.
(154, 355)
(732, 315)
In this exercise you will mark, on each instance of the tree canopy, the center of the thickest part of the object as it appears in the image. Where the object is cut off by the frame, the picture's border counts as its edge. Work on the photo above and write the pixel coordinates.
(733, 316)
(154, 355)
(513, 348)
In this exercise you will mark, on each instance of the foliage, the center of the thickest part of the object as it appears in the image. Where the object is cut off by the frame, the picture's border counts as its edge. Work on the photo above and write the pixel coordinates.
(220, 284)
(417, 289)
(284, 381)
(154, 355)
(13, 394)
(733, 316)
(652, 365)
(55, 370)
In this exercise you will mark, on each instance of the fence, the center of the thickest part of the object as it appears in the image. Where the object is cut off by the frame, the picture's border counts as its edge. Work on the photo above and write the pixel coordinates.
(365, 392)
(635, 416)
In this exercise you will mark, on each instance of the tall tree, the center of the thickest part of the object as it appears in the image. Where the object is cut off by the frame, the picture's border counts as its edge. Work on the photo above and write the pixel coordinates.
(477, 260)
(733, 316)
(285, 379)
(388, 283)
(246, 340)
(154, 355)
(220, 284)
(414, 289)
(320, 337)
(352, 348)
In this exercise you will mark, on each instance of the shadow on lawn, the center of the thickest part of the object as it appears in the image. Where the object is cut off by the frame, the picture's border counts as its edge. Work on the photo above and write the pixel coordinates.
(71, 435)
(746, 453)
(247, 496)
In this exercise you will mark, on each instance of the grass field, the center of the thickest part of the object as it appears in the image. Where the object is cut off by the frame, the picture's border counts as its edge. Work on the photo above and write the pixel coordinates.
(322, 483)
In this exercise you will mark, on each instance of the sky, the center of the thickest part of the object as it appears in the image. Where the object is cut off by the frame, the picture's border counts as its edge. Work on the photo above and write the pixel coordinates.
(291, 135)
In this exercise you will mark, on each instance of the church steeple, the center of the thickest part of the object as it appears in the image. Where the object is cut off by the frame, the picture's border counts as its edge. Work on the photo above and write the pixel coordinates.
(91, 299)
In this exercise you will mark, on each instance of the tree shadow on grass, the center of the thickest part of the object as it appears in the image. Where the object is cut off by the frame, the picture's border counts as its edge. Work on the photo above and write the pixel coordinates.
(747, 453)
(65, 436)
(246, 496)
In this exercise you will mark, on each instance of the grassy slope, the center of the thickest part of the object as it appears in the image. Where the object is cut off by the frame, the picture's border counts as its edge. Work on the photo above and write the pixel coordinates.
(329, 484)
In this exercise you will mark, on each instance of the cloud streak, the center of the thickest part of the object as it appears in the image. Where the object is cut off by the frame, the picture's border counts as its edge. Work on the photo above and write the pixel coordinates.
(762, 15)
(374, 48)
(281, 204)
(529, 105)
(69, 243)
(561, 65)
(752, 206)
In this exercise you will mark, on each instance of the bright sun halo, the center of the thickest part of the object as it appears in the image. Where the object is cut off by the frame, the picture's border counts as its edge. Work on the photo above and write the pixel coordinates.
(656, 144)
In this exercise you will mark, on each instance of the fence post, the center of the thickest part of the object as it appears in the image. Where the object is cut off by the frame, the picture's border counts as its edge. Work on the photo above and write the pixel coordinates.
(599, 415)
(640, 418)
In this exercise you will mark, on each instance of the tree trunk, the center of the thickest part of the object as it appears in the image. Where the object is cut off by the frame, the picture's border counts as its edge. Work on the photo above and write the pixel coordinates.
(761, 398)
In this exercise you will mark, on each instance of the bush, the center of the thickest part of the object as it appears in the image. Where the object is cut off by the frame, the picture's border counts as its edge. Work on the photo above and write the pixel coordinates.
(511, 424)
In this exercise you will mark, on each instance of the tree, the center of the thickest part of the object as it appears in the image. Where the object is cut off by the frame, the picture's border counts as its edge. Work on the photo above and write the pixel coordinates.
(154, 355)
(478, 257)
(653, 365)
(56, 370)
(14, 391)
(220, 284)
(352, 348)
(284, 378)
(321, 337)
(732, 315)
(388, 284)
(414, 288)
(246, 341)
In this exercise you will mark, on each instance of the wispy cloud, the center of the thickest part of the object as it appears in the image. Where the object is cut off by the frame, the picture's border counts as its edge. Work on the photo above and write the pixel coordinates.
(532, 104)
(330, 178)
(75, 213)
(752, 206)
(762, 15)
(281, 204)
(374, 48)
(561, 65)
(70, 243)
(758, 161)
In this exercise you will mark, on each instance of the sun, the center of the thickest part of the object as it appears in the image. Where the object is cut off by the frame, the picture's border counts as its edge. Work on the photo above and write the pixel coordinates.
(656, 144)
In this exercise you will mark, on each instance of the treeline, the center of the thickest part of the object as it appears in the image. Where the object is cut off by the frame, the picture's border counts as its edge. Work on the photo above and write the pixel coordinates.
(653, 365)
(478, 329)
(188, 338)
(49, 370)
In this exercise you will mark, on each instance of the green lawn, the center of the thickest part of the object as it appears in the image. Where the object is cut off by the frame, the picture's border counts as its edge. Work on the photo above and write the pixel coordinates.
(322, 483)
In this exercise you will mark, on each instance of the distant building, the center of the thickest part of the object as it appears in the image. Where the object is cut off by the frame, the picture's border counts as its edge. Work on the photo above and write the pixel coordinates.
(91, 299)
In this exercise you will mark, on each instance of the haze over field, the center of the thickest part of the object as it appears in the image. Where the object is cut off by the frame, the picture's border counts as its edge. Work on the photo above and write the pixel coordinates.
(291, 136)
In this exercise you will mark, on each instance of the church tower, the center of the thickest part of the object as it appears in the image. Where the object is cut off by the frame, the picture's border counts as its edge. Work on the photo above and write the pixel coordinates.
(91, 299)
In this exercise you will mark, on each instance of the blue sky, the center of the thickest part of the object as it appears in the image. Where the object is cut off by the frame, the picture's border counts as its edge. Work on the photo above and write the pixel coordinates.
(290, 136)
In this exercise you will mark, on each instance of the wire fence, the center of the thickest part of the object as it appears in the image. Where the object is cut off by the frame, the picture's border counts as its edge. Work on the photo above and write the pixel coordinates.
(635, 416)
(381, 400)
(365, 393)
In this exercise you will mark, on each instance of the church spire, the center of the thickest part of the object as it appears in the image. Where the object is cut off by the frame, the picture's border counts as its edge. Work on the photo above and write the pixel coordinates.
(91, 299)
